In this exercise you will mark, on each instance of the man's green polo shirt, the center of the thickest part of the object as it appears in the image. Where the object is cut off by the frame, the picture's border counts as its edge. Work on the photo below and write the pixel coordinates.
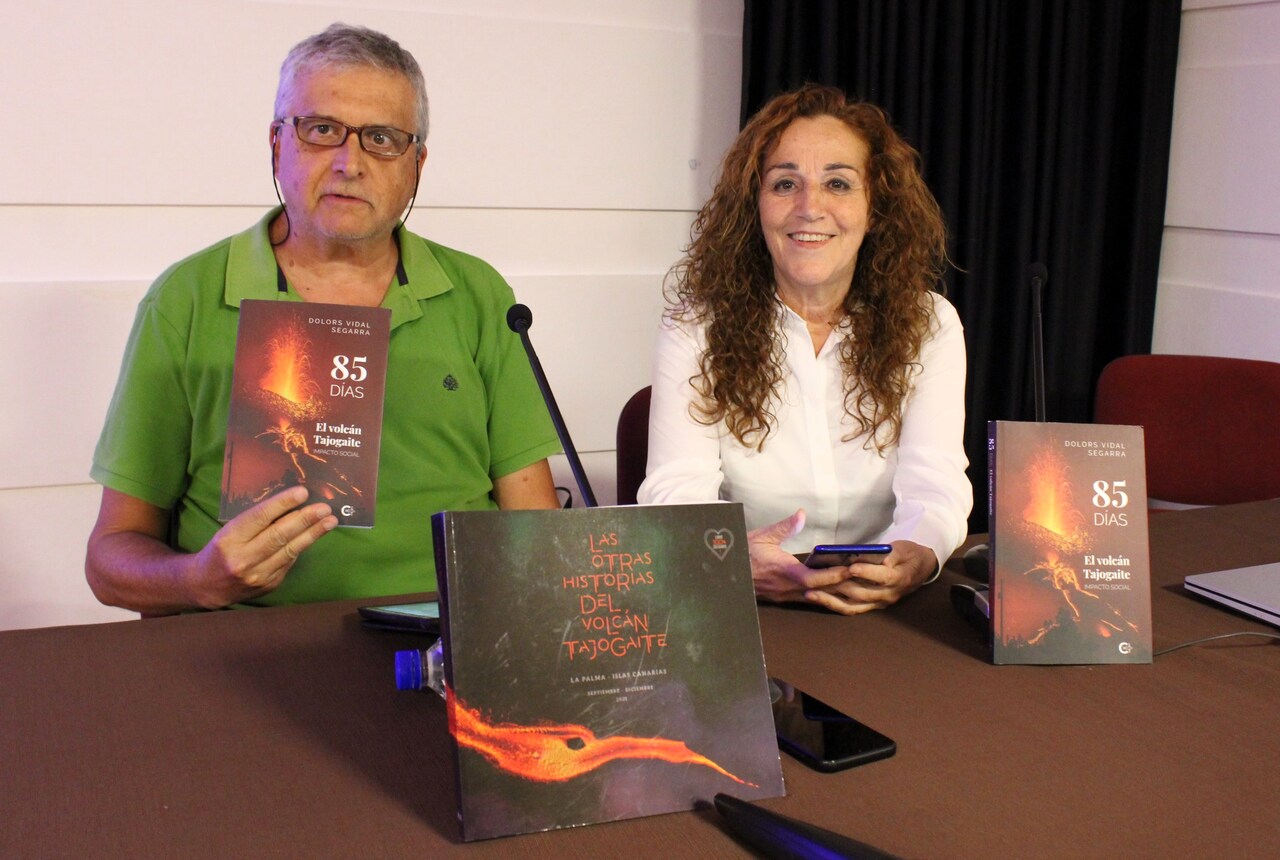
(461, 408)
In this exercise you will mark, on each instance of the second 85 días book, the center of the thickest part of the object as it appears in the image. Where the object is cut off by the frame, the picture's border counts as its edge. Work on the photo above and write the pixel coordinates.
(1070, 571)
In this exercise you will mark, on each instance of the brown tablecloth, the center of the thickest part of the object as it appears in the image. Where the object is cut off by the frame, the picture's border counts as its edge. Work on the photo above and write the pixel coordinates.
(279, 733)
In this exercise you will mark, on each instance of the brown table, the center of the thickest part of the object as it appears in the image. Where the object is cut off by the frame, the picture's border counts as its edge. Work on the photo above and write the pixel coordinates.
(279, 733)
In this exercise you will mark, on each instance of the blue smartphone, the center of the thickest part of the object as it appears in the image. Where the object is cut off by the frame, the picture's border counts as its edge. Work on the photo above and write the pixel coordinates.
(845, 554)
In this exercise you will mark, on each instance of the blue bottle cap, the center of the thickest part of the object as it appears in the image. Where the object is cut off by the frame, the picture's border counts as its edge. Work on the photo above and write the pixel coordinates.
(409, 670)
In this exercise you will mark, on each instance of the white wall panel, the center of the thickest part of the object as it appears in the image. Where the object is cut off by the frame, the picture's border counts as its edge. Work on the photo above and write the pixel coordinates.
(1241, 35)
(1191, 5)
(496, 144)
(1222, 161)
(68, 348)
(714, 16)
(42, 537)
(1197, 320)
(66, 244)
(1219, 293)
(176, 111)
(1233, 261)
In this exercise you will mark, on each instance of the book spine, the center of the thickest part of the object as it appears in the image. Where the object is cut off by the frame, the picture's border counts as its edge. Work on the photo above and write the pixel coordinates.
(991, 483)
(442, 528)
(442, 539)
(993, 603)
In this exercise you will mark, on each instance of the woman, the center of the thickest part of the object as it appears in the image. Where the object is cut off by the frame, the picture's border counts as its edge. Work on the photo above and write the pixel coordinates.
(806, 367)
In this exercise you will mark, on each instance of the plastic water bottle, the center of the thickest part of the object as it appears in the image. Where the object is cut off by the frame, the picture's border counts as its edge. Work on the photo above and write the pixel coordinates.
(421, 670)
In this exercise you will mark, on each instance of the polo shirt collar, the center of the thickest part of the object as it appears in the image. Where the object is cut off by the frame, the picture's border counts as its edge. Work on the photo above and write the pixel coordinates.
(251, 272)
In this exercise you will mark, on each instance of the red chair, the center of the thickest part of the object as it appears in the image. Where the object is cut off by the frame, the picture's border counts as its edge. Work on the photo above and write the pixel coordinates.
(1212, 425)
(633, 445)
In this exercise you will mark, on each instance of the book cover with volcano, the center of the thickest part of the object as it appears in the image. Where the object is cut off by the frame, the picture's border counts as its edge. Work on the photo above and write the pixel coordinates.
(306, 406)
(1070, 570)
(601, 664)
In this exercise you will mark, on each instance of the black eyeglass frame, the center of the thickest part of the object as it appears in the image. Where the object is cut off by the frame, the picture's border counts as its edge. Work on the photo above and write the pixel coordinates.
(348, 130)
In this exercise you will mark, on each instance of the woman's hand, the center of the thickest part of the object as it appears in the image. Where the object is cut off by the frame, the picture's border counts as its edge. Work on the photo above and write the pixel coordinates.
(778, 575)
(874, 586)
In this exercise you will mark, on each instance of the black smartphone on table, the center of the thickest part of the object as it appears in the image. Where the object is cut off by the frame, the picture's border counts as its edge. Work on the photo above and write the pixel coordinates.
(412, 617)
(820, 736)
(845, 554)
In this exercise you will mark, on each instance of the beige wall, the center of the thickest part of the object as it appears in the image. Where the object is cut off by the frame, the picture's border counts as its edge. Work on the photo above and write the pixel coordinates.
(571, 141)
(1220, 266)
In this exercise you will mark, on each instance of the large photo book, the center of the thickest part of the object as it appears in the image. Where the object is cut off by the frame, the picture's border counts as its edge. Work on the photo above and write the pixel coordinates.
(306, 406)
(1070, 569)
(601, 664)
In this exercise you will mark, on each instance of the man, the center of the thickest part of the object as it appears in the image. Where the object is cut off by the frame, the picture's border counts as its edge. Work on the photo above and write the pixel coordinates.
(463, 427)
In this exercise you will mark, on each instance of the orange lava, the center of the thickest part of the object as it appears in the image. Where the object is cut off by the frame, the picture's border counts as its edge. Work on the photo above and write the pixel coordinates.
(1051, 504)
(290, 372)
(557, 753)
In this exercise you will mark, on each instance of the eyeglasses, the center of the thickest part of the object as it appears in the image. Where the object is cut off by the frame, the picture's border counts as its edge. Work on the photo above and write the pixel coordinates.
(374, 139)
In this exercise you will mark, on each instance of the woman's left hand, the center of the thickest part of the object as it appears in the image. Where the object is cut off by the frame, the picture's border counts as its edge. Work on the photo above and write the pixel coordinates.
(875, 586)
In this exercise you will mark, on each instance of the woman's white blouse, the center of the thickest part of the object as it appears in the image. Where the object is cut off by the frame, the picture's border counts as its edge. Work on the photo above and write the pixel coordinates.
(916, 491)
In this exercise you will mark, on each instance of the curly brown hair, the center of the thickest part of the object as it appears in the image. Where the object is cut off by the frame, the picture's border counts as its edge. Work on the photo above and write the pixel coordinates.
(726, 279)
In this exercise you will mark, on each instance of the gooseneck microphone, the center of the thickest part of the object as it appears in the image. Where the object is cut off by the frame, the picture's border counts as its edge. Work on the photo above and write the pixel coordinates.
(1039, 276)
(519, 320)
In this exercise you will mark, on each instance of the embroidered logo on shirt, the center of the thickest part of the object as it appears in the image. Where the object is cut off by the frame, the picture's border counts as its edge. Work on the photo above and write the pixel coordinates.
(450, 384)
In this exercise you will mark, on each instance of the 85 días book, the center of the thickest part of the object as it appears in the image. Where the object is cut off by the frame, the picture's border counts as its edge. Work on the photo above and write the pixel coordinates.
(1070, 570)
(601, 664)
(306, 406)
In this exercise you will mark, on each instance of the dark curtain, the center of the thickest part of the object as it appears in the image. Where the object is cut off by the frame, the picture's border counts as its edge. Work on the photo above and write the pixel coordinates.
(1044, 128)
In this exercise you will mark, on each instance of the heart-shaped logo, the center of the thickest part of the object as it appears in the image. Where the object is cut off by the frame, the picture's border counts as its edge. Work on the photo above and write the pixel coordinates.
(719, 541)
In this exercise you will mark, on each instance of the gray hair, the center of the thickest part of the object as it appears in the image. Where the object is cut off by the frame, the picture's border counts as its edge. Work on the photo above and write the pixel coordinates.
(346, 45)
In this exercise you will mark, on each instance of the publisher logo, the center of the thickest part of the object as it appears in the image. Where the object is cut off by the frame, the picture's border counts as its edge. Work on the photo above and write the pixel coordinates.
(719, 541)
(1126, 648)
(347, 510)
